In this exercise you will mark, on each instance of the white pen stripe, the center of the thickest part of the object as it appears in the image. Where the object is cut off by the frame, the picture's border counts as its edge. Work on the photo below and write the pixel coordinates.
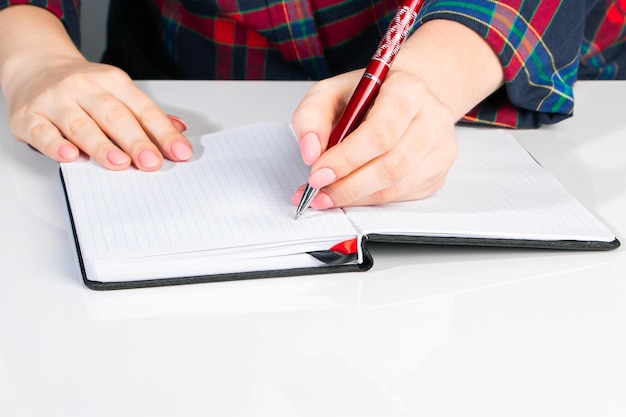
(373, 77)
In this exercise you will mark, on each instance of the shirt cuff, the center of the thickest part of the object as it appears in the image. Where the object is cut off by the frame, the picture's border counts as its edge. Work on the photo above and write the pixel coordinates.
(538, 81)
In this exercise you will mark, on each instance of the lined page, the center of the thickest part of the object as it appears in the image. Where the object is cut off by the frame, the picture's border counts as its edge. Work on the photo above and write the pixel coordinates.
(236, 194)
(495, 189)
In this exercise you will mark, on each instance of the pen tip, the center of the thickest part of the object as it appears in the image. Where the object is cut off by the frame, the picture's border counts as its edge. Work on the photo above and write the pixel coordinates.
(298, 215)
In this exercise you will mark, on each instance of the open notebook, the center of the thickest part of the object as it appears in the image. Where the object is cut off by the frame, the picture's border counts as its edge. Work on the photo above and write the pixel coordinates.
(228, 215)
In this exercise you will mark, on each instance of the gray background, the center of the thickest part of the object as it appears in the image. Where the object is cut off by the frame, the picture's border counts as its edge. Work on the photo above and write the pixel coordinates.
(93, 27)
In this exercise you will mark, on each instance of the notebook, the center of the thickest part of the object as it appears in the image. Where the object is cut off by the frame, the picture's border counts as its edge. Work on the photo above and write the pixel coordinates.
(227, 214)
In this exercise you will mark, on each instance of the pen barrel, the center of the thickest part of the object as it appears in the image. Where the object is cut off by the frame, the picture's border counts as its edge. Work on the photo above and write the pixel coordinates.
(397, 32)
(355, 110)
(376, 71)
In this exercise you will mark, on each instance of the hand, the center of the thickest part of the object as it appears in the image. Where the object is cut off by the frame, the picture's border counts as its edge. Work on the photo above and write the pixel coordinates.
(97, 109)
(403, 149)
(406, 144)
(60, 103)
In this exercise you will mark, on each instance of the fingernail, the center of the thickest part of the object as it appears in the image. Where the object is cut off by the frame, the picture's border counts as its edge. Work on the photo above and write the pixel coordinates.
(310, 148)
(181, 150)
(117, 157)
(178, 123)
(322, 201)
(67, 152)
(148, 158)
(322, 177)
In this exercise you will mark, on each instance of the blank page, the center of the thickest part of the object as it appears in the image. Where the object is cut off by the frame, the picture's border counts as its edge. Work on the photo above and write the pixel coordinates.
(236, 193)
(495, 189)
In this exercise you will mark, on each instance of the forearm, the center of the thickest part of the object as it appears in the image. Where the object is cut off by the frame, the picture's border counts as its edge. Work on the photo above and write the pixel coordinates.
(456, 64)
(538, 43)
(38, 40)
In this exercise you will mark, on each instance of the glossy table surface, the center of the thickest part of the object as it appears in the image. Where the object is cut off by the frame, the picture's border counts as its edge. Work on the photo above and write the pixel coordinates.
(429, 331)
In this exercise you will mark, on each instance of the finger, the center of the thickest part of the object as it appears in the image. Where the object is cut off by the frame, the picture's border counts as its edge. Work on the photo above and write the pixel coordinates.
(321, 106)
(133, 121)
(368, 185)
(414, 169)
(83, 131)
(400, 101)
(178, 123)
(404, 190)
(72, 128)
(323, 200)
(117, 124)
(46, 138)
(379, 181)
(161, 129)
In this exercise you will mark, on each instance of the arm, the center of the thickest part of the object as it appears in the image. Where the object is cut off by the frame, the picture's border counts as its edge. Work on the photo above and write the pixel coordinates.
(60, 103)
(538, 44)
(406, 145)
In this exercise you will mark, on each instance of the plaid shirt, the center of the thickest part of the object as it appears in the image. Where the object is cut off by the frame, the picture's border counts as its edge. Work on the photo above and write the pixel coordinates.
(544, 45)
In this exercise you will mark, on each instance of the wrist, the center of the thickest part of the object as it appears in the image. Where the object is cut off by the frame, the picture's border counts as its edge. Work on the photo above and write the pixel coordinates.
(456, 64)
(38, 42)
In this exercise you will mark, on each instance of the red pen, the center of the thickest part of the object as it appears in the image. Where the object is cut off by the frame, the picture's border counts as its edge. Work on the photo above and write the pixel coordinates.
(370, 82)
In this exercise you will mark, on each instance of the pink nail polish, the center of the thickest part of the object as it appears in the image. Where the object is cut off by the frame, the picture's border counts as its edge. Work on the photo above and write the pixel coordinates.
(67, 152)
(322, 177)
(117, 157)
(181, 150)
(149, 159)
(310, 148)
(178, 122)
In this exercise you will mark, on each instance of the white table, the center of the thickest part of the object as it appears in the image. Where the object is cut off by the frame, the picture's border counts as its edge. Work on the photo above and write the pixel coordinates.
(430, 332)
